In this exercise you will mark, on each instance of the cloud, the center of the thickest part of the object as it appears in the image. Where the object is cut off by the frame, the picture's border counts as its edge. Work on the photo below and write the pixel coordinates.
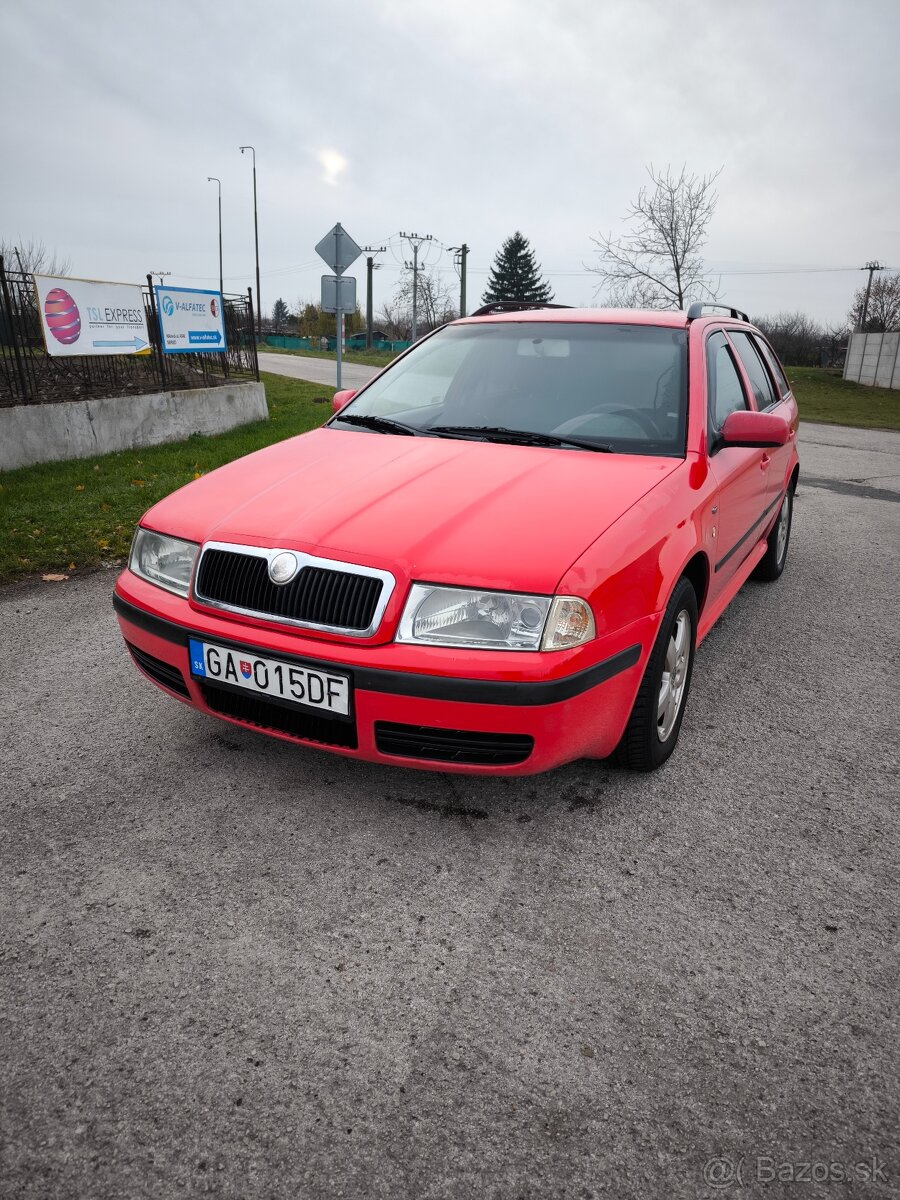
(333, 165)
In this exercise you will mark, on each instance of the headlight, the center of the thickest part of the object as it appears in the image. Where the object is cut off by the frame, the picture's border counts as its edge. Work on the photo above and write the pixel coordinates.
(165, 561)
(443, 616)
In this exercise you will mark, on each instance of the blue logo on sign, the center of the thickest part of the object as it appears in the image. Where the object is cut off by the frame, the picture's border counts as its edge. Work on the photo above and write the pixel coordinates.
(168, 305)
(198, 665)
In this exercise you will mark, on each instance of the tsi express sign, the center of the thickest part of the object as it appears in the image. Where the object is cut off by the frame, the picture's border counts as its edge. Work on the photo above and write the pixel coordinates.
(190, 320)
(87, 316)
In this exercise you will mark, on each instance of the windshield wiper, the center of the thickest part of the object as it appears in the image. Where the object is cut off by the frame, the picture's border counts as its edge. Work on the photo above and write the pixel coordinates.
(524, 437)
(379, 424)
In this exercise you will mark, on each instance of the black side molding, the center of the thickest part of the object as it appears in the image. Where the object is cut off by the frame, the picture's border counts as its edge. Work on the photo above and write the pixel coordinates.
(737, 545)
(407, 683)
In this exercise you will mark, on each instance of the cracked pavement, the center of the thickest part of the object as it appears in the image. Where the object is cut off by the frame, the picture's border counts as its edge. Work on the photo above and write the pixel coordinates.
(237, 967)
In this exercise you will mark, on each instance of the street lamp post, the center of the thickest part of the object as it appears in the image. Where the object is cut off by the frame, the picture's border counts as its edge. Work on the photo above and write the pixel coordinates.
(256, 244)
(213, 179)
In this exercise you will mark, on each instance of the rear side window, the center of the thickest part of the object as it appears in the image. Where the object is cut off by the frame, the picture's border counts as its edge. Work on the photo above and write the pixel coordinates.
(774, 365)
(755, 368)
(726, 392)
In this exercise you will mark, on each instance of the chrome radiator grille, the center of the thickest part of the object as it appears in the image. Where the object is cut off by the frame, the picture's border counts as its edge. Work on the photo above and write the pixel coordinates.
(323, 594)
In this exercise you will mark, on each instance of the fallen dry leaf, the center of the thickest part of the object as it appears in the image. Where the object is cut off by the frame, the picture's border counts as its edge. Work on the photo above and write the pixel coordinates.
(54, 578)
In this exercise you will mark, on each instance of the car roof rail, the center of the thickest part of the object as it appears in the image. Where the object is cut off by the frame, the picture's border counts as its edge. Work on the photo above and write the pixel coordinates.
(502, 306)
(696, 310)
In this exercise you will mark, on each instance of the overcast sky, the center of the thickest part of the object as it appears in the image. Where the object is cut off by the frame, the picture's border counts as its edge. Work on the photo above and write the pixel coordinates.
(466, 120)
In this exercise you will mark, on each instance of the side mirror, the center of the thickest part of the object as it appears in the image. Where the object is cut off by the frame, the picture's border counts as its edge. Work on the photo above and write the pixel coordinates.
(340, 399)
(755, 430)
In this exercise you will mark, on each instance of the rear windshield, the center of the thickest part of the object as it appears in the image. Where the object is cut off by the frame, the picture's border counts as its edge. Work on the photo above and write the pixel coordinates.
(622, 385)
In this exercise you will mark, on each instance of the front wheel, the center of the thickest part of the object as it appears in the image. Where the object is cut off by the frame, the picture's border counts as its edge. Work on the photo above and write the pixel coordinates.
(772, 562)
(655, 721)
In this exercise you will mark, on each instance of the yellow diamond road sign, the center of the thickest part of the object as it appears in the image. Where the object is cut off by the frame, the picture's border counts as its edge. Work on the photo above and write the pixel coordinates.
(338, 249)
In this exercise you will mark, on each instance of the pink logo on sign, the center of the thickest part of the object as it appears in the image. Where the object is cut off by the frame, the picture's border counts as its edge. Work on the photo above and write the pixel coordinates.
(62, 316)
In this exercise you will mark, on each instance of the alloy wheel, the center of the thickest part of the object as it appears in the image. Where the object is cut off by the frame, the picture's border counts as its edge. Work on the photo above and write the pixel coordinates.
(674, 676)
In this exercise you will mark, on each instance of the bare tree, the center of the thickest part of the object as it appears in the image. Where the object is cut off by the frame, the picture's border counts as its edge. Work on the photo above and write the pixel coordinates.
(434, 301)
(32, 257)
(799, 341)
(396, 320)
(657, 262)
(883, 314)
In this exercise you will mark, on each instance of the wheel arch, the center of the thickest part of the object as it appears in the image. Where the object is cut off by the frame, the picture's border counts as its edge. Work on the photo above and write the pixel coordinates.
(696, 571)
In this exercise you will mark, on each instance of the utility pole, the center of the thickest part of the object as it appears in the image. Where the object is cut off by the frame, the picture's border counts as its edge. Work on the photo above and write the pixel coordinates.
(213, 179)
(371, 251)
(459, 261)
(415, 240)
(160, 275)
(256, 243)
(871, 267)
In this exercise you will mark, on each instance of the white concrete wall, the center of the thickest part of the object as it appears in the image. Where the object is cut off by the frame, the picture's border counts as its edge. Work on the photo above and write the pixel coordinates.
(33, 433)
(874, 359)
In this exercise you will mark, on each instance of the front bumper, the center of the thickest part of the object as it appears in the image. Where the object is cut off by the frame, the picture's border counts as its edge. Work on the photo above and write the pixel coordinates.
(435, 710)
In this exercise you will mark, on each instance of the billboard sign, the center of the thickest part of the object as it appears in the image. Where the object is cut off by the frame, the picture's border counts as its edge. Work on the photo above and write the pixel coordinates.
(190, 320)
(89, 316)
(338, 293)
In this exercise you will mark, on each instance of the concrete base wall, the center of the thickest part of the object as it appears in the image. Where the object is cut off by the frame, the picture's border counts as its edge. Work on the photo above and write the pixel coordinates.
(874, 359)
(33, 433)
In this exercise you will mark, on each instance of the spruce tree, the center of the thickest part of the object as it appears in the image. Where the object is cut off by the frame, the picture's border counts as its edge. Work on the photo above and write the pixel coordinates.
(515, 275)
(280, 314)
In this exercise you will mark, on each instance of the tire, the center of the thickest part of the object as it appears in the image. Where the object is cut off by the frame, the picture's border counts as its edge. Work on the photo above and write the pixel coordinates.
(653, 727)
(771, 565)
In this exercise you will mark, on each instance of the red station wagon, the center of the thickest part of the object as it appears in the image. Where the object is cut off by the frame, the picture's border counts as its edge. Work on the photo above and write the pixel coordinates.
(498, 556)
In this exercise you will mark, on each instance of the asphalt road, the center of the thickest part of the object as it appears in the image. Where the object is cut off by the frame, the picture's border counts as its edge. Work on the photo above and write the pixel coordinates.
(316, 370)
(237, 967)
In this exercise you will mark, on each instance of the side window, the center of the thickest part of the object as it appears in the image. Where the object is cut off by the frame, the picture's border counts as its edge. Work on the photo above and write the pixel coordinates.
(756, 371)
(774, 365)
(726, 393)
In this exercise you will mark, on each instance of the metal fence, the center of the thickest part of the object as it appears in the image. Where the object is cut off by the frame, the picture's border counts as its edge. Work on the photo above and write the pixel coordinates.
(28, 375)
(328, 343)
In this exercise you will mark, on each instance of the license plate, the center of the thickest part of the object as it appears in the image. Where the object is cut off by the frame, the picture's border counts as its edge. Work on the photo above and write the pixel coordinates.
(269, 677)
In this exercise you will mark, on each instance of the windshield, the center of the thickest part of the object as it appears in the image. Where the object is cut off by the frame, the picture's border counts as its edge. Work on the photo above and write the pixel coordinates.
(621, 386)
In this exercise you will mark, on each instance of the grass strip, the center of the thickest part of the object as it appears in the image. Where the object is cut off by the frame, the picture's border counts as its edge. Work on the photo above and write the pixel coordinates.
(71, 516)
(822, 395)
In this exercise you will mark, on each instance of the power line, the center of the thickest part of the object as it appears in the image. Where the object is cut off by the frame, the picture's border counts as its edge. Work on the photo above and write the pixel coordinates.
(871, 267)
(712, 271)
(416, 240)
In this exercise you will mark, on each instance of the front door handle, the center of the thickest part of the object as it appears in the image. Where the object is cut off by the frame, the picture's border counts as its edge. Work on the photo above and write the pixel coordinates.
(764, 461)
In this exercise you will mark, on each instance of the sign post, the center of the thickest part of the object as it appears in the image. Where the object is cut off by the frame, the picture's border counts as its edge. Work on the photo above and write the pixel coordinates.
(339, 250)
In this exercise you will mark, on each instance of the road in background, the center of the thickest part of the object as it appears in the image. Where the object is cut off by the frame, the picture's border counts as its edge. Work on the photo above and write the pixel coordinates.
(316, 370)
(233, 965)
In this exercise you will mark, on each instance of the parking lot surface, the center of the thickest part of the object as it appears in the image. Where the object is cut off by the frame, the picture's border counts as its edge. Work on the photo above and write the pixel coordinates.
(237, 967)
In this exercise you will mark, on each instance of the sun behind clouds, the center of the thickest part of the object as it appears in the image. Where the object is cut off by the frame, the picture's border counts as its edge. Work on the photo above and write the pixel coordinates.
(333, 165)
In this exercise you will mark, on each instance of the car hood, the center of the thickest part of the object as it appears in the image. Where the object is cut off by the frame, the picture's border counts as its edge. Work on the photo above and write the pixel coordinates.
(434, 509)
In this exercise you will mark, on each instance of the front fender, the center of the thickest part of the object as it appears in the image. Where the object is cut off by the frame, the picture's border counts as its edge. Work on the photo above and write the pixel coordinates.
(630, 571)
